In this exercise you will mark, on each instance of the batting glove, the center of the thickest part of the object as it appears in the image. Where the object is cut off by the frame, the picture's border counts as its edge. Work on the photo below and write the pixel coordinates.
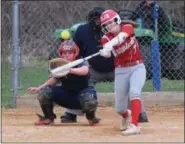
(105, 53)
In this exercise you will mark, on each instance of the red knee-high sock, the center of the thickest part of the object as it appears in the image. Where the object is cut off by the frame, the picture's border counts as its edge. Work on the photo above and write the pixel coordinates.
(136, 109)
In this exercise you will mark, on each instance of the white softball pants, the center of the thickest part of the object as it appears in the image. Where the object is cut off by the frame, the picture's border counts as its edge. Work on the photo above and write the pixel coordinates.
(128, 85)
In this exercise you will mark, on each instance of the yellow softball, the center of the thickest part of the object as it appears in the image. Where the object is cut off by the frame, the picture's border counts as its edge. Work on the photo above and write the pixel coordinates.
(65, 34)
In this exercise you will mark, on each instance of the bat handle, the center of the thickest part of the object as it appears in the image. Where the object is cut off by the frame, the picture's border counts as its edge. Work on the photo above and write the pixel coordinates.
(91, 56)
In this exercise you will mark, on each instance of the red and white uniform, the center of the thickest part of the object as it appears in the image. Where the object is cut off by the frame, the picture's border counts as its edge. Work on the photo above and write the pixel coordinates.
(128, 52)
(130, 72)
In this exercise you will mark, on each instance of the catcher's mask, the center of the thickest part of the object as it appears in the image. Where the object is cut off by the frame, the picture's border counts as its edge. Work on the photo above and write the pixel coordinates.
(94, 18)
(68, 46)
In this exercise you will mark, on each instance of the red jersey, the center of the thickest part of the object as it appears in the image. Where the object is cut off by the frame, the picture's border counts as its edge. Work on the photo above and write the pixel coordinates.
(126, 52)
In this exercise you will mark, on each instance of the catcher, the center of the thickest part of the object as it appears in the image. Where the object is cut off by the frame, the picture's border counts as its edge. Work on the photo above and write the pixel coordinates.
(74, 93)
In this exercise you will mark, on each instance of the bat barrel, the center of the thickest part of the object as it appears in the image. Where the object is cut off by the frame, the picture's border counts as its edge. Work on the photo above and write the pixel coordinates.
(72, 64)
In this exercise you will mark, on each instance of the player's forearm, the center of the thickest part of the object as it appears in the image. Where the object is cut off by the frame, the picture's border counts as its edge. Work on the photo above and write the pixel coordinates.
(51, 81)
(80, 71)
(118, 39)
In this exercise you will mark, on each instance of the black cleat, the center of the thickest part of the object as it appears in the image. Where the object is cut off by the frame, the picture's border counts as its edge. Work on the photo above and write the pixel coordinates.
(143, 118)
(68, 118)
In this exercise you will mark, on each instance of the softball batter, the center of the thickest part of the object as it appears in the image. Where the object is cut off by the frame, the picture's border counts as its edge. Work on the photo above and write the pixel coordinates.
(130, 72)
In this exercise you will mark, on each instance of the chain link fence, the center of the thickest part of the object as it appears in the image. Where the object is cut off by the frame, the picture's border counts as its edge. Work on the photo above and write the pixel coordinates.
(39, 20)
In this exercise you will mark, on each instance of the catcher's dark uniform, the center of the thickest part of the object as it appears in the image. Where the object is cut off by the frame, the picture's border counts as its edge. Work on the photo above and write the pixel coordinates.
(74, 93)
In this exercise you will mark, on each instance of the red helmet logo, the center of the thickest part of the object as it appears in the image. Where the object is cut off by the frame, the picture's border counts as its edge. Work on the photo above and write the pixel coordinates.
(108, 15)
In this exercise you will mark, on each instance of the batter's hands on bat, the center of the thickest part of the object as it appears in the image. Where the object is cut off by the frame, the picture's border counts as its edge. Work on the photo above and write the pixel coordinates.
(33, 90)
(108, 46)
(105, 53)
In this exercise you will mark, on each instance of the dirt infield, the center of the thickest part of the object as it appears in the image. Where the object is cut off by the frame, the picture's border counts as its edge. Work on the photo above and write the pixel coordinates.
(166, 125)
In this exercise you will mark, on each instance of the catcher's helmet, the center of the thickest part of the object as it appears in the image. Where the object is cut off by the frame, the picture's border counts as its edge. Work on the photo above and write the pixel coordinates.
(93, 18)
(68, 45)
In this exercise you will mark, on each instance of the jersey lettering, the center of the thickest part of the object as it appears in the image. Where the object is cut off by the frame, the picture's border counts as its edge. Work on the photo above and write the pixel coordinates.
(124, 47)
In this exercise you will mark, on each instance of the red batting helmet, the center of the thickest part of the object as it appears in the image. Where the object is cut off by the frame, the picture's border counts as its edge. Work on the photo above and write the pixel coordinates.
(108, 16)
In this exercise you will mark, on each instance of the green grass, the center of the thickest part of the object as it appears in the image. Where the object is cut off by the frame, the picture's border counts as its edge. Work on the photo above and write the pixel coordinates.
(5, 84)
(29, 76)
(36, 75)
(167, 85)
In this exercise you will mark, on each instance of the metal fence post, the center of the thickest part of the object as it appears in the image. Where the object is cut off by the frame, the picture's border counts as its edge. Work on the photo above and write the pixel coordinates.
(15, 54)
(155, 53)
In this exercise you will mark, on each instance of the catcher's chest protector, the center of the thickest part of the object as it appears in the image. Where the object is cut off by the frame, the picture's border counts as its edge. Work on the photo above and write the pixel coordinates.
(73, 82)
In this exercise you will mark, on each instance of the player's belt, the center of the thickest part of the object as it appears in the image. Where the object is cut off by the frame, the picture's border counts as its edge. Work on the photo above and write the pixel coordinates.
(130, 64)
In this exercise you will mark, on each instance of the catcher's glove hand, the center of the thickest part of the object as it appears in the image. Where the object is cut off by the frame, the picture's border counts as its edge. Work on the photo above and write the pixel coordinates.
(55, 63)
(133, 23)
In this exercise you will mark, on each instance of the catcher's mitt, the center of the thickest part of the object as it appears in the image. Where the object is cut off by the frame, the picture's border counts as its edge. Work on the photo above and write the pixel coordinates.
(55, 63)
(133, 23)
